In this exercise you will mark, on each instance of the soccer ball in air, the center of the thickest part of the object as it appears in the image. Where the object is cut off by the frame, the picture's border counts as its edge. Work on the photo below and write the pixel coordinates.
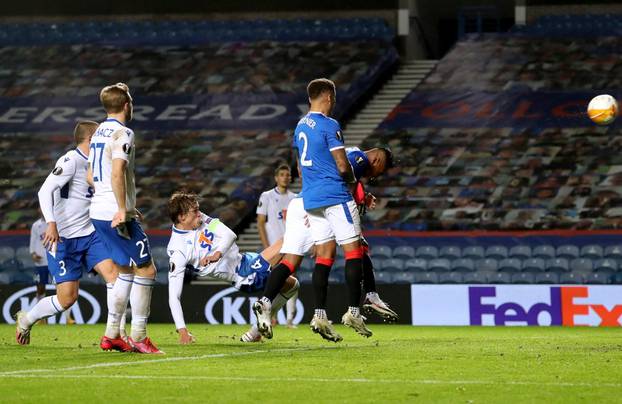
(602, 109)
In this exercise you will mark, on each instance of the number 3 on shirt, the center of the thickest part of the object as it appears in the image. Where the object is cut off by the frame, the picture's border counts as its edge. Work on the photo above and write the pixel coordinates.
(303, 157)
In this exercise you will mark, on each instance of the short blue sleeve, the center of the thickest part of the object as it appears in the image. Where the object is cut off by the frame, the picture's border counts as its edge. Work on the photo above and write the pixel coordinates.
(334, 138)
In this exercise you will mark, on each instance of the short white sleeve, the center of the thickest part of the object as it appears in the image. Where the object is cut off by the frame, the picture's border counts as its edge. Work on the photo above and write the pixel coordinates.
(122, 143)
(262, 206)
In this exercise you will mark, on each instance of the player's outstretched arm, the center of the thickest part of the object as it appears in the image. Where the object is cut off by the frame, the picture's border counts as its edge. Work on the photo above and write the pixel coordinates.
(175, 287)
(57, 179)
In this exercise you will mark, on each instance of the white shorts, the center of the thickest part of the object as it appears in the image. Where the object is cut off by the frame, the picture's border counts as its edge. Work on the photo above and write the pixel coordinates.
(297, 239)
(338, 222)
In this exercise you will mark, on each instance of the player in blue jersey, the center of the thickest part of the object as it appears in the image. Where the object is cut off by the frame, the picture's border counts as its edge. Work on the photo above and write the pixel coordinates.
(298, 241)
(326, 188)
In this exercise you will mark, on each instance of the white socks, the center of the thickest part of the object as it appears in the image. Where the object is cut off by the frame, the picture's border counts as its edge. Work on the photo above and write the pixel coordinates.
(117, 297)
(291, 307)
(46, 307)
(140, 300)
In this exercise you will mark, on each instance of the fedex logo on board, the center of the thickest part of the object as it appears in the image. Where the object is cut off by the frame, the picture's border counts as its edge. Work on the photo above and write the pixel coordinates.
(563, 306)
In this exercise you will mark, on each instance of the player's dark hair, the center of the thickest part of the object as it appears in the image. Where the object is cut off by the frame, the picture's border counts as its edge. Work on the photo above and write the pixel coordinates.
(389, 154)
(114, 97)
(84, 130)
(180, 203)
(318, 86)
(282, 167)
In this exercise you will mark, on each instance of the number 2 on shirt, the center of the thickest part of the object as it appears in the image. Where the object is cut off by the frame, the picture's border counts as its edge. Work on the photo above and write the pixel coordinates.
(303, 157)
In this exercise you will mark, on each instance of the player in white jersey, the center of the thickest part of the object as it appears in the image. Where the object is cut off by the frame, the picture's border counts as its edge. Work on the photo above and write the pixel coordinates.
(271, 213)
(70, 237)
(114, 215)
(208, 247)
(39, 257)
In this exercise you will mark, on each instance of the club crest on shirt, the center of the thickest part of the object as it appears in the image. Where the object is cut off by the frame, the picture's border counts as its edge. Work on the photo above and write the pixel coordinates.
(339, 135)
(126, 148)
(171, 267)
(359, 160)
(57, 170)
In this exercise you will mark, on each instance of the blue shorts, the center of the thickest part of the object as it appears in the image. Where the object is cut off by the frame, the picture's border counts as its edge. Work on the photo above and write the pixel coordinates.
(124, 251)
(254, 264)
(74, 254)
(42, 275)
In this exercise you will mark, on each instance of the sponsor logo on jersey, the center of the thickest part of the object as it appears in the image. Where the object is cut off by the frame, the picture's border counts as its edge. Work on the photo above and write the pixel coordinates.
(205, 239)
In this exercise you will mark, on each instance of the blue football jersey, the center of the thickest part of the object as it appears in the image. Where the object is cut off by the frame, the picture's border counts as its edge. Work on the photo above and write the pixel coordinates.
(315, 137)
(358, 160)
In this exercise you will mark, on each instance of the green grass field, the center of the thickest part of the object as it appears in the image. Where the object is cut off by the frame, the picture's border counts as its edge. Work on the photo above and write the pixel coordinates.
(399, 363)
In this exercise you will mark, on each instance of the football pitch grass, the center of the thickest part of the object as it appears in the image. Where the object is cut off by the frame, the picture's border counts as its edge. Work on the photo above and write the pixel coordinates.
(398, 364)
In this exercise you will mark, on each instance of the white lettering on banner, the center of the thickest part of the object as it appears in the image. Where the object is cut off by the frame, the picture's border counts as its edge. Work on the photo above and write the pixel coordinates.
(219, 111)
(56, 114)
(25, 299)
(16, 114)
(96, 114)
(175, 112)
(231, 309)
(253, 111)
(510, 305)
(139, 112)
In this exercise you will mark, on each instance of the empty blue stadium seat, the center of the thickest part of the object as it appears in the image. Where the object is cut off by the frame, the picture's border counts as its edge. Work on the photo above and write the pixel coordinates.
(523, 277)
(426, 252)
(463, 265)
(439, 265)
(545, 252)
(613, 252)
(425, 277)
(384, 277)
(404, 252)
(473, 252)
(534, 265)
(617, 278)
(381, 252)
(497, 252)
(450, 277)
(487, 264)
(416, 265)
(307, 265)
(337, 276)
(510, 265)
(557, 265)
(571, 278)
(304, 277)
(567, 251)
(450, 252)
(521, 252)
(583, 265)
(500, 277)
(549, 278)
(6, 253)
(606, 264)
(22, 254)
(404, 277)
(592, 252)
(477, 277)
(598, 278)
(160, 257)
(392, 265)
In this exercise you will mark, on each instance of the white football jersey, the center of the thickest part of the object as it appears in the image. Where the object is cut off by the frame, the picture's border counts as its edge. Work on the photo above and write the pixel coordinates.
(112, 140)
(65, 196)
(273, 205)
(187, 247)
(36, 242)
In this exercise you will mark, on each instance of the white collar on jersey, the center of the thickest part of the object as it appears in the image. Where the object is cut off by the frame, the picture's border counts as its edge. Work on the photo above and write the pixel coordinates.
(316, 112)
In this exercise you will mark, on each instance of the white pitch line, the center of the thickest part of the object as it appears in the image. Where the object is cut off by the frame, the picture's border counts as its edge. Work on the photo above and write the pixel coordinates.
(318, 380)
(173, 359)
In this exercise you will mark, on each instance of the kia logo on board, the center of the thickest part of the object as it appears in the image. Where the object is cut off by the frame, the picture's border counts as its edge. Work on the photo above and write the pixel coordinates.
(233, 307)
(24, 299)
